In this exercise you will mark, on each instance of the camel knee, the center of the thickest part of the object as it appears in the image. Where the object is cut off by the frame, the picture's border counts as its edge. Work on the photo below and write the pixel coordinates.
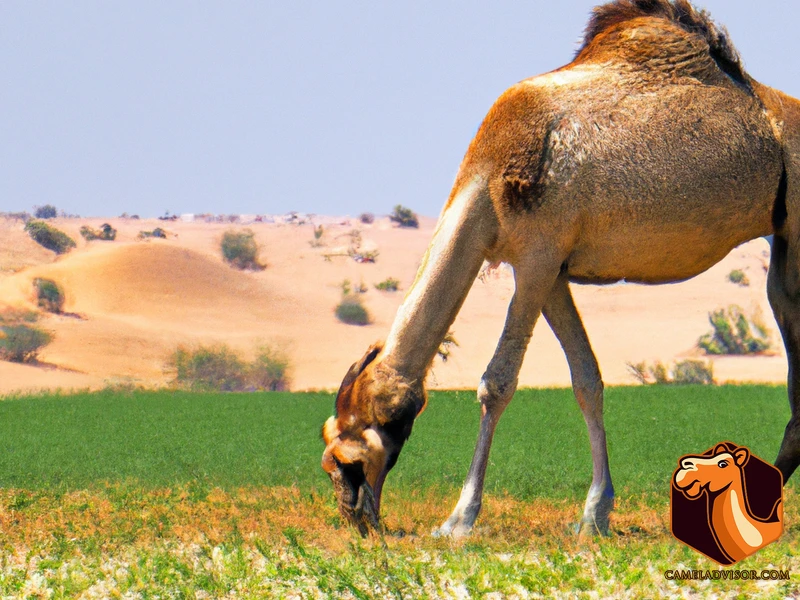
(495, 393)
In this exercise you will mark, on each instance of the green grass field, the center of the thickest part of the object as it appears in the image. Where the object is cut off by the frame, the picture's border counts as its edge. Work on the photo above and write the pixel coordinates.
(172, 494)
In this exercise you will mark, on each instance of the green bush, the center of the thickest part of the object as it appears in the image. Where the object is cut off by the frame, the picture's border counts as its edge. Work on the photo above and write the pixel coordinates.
(404, 217)
(240, 250)
(738, 277)
(351, 311)
(366, 218)
(48, 211)
(735, 333)
(49, 295)
(49, 237)
(683, 372)
(156, 233)
(269, 370)
(390, 284)
(106, 233)
(22, 343)
(222, 369)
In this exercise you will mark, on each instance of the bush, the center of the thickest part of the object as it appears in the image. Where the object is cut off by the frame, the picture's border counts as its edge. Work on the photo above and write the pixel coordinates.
(156, 233)
(22, 343)
(366, 218)
(269, 370)
(683, 372)
(389, 284)
(404, 217)
(106, 233)
(48, 211)
(49, 237)
(240, 250)
(49, 295)
(219, 368)
(735, 333)
(351, 311)
(738, 277)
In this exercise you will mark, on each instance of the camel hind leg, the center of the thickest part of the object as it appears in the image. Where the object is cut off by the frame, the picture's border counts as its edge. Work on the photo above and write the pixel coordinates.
(783, 290)
(587, 384)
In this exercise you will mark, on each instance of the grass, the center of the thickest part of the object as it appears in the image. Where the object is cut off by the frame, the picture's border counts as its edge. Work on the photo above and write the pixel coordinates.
(176, 494)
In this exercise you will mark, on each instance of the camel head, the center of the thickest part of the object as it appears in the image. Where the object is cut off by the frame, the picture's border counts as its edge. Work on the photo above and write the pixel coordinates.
(374, 413)
(712, 473)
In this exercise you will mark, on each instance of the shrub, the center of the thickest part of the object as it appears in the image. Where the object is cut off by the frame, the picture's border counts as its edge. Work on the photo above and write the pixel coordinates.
(351, 311)
(735, 333)
(48, 211)
(49, 295)
(106, 232)
(404, 217)
(49, 237)
(738, 277)
(156, 233)
(22, 343)
(389, 284)
(209, 368)
(683, 372)
(366, 218)
(221, 369)
(240, 250)
(269, 370)
(445, 348)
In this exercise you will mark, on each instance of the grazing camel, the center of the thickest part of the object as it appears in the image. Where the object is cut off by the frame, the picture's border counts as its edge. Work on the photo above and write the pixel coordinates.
(647, 159)
(721, 478)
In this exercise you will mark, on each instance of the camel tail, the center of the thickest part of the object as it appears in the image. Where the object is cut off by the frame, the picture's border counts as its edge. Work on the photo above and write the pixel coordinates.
(680, 12)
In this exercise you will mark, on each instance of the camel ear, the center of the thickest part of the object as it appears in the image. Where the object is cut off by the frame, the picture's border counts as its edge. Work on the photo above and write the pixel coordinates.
(720, 449)
(740, 456)
(359, 366)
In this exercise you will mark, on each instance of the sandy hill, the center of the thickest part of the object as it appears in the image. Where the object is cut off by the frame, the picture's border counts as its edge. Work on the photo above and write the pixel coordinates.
(138, 300)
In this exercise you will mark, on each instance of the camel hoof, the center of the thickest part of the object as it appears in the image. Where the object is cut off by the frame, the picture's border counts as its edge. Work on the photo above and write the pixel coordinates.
(452, 531)
(588, 529)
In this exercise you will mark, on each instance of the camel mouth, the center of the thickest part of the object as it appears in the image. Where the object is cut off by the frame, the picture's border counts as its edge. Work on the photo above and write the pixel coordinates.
(355, 498)
(693, 490)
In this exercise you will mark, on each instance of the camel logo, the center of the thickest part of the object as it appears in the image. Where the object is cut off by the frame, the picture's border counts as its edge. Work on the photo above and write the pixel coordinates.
(726, 503)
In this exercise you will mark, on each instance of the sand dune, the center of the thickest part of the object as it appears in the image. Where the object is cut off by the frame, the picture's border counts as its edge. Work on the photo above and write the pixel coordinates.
(138, 300)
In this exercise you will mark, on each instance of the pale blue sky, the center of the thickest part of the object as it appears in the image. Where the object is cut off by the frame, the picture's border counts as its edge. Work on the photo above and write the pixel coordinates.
(264, 107)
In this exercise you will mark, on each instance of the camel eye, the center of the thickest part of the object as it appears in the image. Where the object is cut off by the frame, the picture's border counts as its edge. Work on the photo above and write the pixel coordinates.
(722, 464)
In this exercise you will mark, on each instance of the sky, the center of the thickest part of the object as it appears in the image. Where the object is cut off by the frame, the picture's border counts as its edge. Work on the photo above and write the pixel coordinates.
(264, 108)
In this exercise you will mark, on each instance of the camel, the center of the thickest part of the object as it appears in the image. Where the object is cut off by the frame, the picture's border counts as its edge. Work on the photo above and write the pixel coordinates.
(721, 478)
(646, 159)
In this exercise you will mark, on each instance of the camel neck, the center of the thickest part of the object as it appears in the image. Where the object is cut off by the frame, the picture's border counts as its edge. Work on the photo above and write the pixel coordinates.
(448, 269)
(730, 515)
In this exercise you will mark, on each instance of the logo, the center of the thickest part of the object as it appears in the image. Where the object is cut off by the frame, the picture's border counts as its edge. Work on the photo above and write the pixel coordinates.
(726, 503)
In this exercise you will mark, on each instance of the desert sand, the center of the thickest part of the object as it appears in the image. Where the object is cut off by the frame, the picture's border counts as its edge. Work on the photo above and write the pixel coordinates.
(133, 302)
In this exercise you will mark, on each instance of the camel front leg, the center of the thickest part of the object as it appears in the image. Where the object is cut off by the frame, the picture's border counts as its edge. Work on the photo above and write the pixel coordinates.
(496, 389)
(587, 384)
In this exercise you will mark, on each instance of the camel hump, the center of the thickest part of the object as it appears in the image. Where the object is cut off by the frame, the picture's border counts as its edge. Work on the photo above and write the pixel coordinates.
(609, 23)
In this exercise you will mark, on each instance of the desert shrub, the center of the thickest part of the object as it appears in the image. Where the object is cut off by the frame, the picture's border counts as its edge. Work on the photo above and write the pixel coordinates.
(693, 372)
(209, 368)
(404, 217)
(220, 368)
(269, 370)
(106, 233)
(390, 284)
(366, 218)
(21, 342)
(240, 250)
(156, 233)
(48, 211)
(735, 333)
(738, 277)
(49, 237)
(49, 295)
(682, 373)
(352, 311)
(446, 347)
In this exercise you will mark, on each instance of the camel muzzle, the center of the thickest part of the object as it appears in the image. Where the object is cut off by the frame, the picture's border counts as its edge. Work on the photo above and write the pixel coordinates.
(355, 498)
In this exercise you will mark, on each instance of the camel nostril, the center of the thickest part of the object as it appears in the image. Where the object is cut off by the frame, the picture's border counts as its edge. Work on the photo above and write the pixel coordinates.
(687, 464)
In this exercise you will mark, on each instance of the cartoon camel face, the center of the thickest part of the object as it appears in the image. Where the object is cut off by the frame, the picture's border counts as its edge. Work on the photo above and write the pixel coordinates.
(715, 473)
